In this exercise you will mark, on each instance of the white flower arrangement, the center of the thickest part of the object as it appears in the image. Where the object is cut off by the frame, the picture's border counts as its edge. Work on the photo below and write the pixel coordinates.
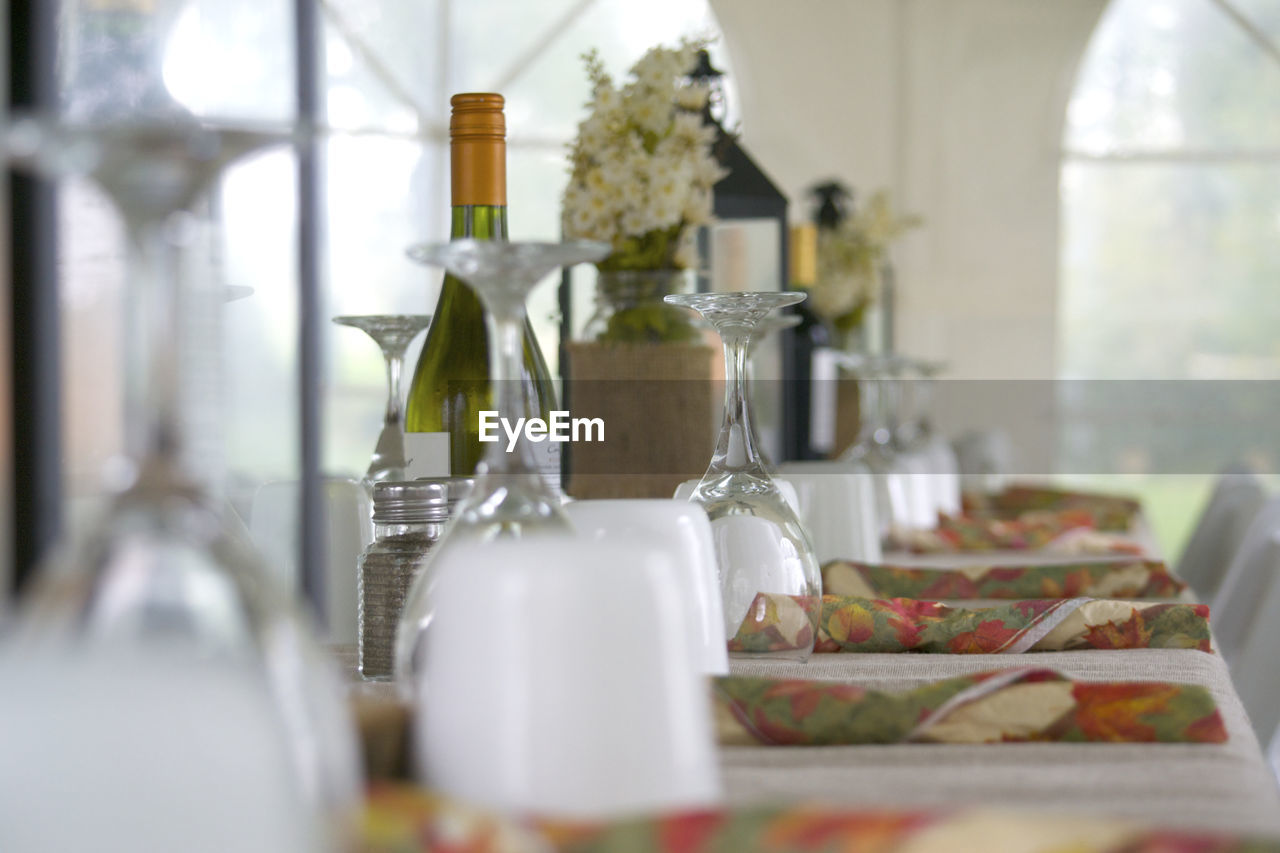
(850, 259)
(642, 165)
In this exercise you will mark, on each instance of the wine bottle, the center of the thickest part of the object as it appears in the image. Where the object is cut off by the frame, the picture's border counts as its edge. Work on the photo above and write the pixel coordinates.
(814, 369)
(451, 381)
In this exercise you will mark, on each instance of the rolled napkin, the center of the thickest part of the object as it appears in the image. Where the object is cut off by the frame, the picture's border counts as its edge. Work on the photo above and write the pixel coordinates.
(1110, 579)
(403, 819)
(907, 625)
(1029, 531)
(1025, 704)
(1108, 512)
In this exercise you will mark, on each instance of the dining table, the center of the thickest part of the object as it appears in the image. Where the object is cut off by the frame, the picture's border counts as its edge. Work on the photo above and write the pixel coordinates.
(1218, 788)
(1227, 787)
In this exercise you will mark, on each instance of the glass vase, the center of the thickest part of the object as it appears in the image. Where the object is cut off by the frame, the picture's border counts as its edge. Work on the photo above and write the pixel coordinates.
(630, 309)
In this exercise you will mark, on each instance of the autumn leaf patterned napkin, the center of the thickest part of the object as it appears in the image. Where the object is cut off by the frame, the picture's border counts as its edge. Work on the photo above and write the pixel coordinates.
(1108, 512)
(406, 819)
(780, 622)
(1124, 578)
(1029, 531)
(1025, 704)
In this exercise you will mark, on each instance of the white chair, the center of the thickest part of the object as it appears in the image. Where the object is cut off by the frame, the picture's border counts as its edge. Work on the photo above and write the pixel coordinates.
(1273, 755)
(1255, 663)
(1237, 496)
(1237, 609)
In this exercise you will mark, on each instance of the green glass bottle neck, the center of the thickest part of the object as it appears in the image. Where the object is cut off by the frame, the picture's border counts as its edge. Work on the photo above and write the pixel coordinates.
(479, 222)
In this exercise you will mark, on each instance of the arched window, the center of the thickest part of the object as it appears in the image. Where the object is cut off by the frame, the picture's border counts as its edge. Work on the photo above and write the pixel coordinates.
(1170, 252)
(1171, 195)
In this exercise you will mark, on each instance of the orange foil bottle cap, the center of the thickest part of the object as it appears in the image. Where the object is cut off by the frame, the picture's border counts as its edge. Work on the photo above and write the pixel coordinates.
(477, 115)
(478, 149)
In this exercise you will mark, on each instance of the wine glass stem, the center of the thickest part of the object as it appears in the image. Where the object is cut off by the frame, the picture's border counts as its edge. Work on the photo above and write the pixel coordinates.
(154, 313)
(735, 449)
(868, 411)
(395, 366)
(505, 322)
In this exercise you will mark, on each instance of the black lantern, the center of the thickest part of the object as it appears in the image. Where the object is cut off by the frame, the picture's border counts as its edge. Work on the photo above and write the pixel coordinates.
(747, 249)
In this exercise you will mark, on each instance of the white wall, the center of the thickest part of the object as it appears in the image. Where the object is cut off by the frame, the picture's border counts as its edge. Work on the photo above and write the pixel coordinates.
(956, 106)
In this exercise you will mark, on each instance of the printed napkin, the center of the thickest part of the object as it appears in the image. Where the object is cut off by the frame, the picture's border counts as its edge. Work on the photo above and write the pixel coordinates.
(1108, 512)
(1124, 578)
(779, 622)
(404, 819)
(1028, 531)
(1025, 704)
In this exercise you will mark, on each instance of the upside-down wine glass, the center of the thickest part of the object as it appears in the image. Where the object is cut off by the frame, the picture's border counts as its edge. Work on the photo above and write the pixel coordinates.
(163, 578)
(936, 485)
(162, 570)
(769, 325)
(761, 547)
(880, 414)
(510, 498)
(392, 333)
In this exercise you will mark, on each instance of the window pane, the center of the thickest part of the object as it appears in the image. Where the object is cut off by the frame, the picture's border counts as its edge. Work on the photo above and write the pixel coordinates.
(383, 66)
(1174, 74)
(383, 195)
(1169, 271)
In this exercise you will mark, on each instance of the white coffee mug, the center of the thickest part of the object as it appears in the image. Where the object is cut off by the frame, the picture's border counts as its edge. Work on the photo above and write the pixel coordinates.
(683, 529)
(560, 680)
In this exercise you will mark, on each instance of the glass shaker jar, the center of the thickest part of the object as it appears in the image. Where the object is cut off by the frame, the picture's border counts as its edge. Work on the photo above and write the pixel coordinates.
(408, 519)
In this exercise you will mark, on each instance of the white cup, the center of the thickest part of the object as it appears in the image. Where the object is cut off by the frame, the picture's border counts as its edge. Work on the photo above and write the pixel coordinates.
(683, 530)
(985, 459)
(838, 508)
(921, 498)
(560, 680)
(946, 473)
(273, 524)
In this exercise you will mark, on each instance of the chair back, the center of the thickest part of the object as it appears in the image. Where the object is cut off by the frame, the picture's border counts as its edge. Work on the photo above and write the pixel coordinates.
(1236, 499)
(1255, 666)
(1237, 609)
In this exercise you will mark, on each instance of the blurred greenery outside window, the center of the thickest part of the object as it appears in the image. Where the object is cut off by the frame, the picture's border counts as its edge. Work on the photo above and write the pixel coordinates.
(1170, 249)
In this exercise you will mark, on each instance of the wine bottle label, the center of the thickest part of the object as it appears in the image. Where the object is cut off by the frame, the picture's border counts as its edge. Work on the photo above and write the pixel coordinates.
(822, 400)
(426, 454)
(546, 456)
